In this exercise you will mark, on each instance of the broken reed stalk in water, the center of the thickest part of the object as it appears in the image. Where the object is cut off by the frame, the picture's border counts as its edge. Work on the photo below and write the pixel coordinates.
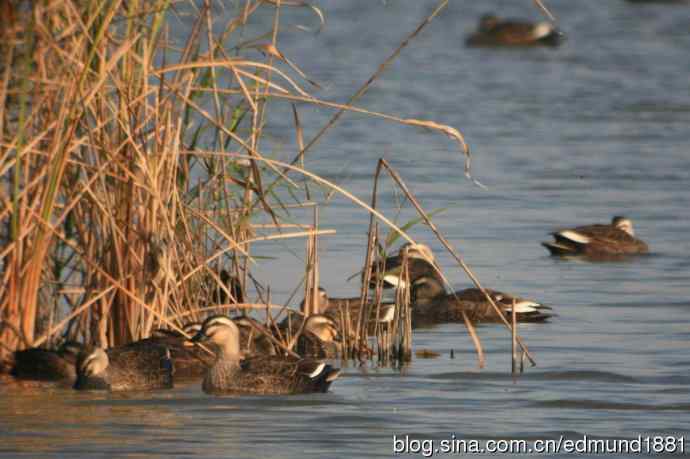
(403, 317)
(513, 341)
(364, 310)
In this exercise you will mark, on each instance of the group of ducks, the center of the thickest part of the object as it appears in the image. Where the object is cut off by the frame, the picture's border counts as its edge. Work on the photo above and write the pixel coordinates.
(233, 355)
(242, 356)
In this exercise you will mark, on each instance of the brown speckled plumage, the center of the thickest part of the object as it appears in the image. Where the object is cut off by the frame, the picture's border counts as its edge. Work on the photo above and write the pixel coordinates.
(433, 305)
(132, 367)
(257, 374)
(493, 31)
(599, 242)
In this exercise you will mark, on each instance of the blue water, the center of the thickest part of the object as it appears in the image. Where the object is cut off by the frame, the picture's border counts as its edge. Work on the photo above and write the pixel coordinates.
(596, 128)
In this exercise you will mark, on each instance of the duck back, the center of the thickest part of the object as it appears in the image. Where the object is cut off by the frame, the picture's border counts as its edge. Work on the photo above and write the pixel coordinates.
(44, 365)
(258, 375)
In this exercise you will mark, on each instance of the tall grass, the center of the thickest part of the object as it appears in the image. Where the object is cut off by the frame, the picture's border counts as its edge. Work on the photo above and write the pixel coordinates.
(132, 165)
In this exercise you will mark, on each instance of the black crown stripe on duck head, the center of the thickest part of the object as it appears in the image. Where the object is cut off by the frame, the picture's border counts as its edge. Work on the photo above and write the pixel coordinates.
(212, 325)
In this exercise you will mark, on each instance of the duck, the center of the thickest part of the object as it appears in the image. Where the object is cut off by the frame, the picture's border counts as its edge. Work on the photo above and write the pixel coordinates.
(320, 338)
(133, 367)
(39, 364)
(420, 262)
(261, 374)
(493, 31)
(602, 242)
(431, 304)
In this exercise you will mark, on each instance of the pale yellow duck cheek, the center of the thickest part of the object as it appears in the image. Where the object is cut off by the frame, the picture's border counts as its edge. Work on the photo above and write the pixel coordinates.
(330, 334)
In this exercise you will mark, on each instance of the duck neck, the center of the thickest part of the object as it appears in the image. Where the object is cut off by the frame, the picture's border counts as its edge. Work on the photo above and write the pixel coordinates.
(230, 353)
(428, 292)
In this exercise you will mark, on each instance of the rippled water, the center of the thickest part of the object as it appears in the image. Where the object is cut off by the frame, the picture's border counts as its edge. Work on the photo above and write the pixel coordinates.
(572, 135)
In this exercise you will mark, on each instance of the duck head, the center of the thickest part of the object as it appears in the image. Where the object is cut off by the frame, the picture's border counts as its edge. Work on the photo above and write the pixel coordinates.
(420, 254)
(91, 370)
(94, 363)
(426, 289)
(322, 327)
(321, 298)
(221, 332)
(414, 250)
(623, 224)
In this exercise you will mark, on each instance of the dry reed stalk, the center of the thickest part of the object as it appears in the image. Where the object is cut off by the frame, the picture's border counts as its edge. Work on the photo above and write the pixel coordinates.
(402, 321)
(513, 341)
(460, 261)
(544, 9)
(367, 84)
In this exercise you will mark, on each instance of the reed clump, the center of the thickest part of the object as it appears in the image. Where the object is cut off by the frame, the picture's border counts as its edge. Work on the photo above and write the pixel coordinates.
(133, 171)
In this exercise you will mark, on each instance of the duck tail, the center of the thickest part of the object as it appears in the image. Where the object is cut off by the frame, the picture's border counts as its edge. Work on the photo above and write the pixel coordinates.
(530, 311)
(333, 374)
(329, 375)
(558, 249)
(546, 33)
(536, 316)
(320, 374)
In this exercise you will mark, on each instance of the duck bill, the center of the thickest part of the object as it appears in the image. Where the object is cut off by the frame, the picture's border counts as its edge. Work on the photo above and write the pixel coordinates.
(200, 337)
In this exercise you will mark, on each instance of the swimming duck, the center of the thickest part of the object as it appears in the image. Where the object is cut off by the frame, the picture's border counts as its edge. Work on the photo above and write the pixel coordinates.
(48, 365)
(125, 368)
(257, 374)
(420, 262)
(598, 242)
(493, 31)
(431, 304)
(319, 338)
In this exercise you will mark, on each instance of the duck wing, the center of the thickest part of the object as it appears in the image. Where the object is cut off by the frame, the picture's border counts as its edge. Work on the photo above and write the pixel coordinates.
(284, 375)
(596, 240)
(474, 303)
(140, 366)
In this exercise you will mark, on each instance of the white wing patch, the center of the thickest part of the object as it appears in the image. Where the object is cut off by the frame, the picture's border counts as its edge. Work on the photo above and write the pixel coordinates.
(395, 281)
(574, 236)
(525, 306)
(541, 30)
(318, 370)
